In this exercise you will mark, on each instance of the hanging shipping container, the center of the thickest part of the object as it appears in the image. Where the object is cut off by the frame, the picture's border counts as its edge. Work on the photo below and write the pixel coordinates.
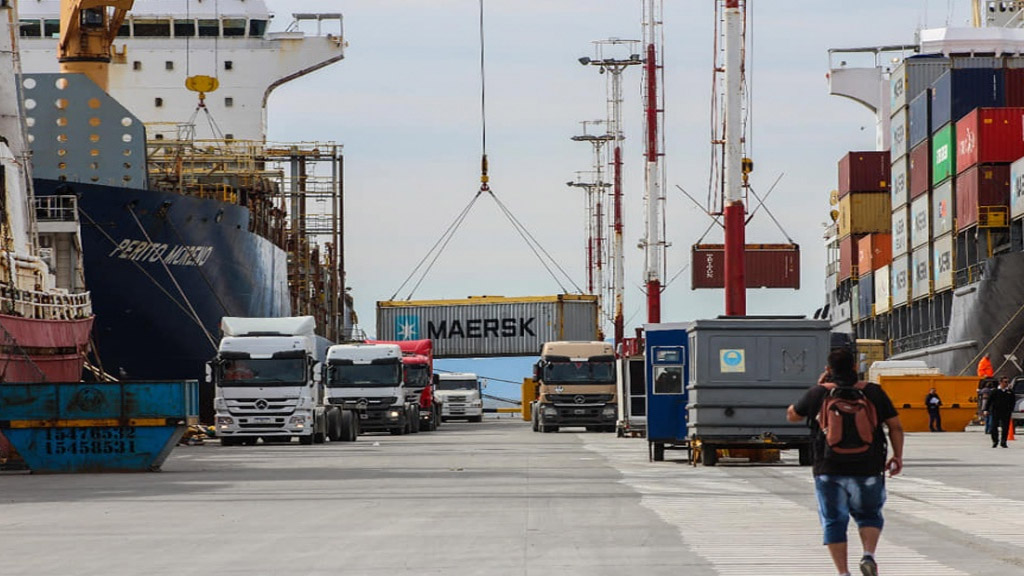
(898, 133)
(920, 118)
(989, 136)
(866, 296)
(882, 294)
(942, 263)
(766, 266)
(957, 92)
(848, 256)
(901, 231)
(981, 186)
(864, 172)
(864, 213)
(942, 209)
(899, 177)
(900, 286)
(912, 77)
(920, 163)
(922, 282)
(920, 221)
(943, 154)
(873, 250)
(1017, 188)
(489, 325)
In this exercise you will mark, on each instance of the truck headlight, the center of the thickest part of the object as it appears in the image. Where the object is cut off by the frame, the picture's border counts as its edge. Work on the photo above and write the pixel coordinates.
(297, 421)
(394, 414)
(550, 411)
(225, 421)
(608, 411)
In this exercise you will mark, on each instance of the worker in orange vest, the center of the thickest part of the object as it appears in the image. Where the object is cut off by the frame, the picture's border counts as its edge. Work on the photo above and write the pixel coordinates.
(985, 367)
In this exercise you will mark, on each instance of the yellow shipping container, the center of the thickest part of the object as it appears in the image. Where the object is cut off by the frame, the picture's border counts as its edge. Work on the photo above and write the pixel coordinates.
(869, 352)
(865, 213)
(958, 394)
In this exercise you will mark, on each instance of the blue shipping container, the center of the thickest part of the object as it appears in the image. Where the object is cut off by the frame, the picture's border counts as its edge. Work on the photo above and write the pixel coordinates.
(867, 295)
(957, 92)
(668, 377)
(920, 118)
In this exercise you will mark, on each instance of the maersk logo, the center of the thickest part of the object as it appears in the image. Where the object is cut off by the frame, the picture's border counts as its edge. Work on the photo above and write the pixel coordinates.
(407, 328)
(481, 328)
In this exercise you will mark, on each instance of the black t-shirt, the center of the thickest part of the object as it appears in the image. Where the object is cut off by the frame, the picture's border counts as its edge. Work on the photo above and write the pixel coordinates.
(808, 407)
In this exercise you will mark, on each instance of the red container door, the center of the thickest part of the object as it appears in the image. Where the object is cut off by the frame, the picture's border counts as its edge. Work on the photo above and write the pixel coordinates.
(864, 172)
(988, 136)
(767, 266)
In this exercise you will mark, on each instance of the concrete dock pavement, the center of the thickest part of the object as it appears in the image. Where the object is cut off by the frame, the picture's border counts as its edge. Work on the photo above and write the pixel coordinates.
(495, 498)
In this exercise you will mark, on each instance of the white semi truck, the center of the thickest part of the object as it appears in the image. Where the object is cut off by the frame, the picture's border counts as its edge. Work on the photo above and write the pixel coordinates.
(369, 378)
(267, 379)
(460, 396)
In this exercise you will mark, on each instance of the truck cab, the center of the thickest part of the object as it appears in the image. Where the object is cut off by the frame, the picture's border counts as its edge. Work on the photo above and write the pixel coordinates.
(576, 386)
(418, 361)
(267, 383)
(370, 378)
(460, 395)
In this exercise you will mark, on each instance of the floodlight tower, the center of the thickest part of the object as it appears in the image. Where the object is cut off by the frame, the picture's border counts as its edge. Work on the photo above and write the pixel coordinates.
(614, 67)
(654, 174)
(597, 249)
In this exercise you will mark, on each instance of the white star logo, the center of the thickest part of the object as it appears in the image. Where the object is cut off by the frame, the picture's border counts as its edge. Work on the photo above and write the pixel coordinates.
(407, 329)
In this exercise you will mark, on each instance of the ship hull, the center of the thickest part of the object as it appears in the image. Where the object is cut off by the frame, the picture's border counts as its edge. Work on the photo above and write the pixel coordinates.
(163, 269)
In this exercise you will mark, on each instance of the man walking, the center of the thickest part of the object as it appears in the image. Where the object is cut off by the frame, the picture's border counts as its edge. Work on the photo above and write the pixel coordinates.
(849, 480)
(1000, 407)
(932, 402)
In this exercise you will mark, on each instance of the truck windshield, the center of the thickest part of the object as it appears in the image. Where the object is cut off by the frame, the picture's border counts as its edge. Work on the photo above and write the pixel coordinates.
(263, 372)
(456, 385)
(579, 373)
(417, 375)
(365, 375)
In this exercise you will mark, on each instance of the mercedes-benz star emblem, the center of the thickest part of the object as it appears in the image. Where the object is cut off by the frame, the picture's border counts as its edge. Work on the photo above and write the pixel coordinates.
(362, 403)
(262, 404)
(579, 399)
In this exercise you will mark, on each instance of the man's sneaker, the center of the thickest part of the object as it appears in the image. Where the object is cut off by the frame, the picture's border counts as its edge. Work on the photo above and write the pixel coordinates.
(868, 566)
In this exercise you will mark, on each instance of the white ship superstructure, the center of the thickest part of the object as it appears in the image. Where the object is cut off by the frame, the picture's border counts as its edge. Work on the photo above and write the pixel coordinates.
(162, 42)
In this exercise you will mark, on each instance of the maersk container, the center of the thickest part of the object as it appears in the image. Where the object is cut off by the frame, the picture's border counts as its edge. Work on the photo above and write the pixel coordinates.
(864, 172)
(766, 266)
(864, 213)
(942, 263)
(912, 77)
(866, 297)
(746, 371)
(873, 251)
(943, 154)
(957, 92)
(898, 132)
(901, 280)
(900, 231)
(920, 118)
(900, 180)
(921, 266)
(1017, 188)
(981, 186)
(883, 280)
(989, 136)
(920, 221)
(489, 325)
(942, 209)
(920, 164)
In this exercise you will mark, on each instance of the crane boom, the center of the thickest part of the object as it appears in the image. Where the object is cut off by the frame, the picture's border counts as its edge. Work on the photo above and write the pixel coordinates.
(87, 31)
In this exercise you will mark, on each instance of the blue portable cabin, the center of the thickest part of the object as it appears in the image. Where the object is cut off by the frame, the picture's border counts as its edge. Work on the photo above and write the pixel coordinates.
(668, 376)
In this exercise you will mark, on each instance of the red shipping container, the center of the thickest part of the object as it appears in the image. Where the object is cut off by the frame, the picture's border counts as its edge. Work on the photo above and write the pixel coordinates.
(864, 172)
(848, 253)
(873, 252)
(767, 266)
(980, 186)
(920, 169)
(989, 136)
(1013, 86)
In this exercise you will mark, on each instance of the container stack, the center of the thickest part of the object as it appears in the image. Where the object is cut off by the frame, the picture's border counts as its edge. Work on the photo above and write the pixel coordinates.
(864, 213)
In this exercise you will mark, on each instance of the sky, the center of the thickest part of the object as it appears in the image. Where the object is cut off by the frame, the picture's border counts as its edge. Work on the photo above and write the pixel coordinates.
(405, 103)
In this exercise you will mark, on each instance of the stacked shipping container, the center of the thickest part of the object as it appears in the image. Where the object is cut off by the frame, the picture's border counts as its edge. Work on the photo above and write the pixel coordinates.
(865, 210)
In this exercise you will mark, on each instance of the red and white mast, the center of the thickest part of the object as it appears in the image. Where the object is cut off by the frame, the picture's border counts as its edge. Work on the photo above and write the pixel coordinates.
(733, 207)
(654, 173)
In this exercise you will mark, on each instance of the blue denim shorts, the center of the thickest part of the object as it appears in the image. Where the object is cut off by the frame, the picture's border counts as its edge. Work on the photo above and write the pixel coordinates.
(840, 497)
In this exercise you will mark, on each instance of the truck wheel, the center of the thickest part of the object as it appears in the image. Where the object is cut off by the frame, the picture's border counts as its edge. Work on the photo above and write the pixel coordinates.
(549, 428)
(333, 426)
(249, 441)
(397, 430)
(479, 418)
(224, 441)
(306, 440)
(347, 427)
(708, 456)
(658, 452)
(414, 421)
(533, 422)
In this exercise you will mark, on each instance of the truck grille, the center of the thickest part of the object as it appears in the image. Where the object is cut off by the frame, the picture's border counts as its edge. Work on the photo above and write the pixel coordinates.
(261, 406)
(455, 398)
(350, 402)
(575, 399)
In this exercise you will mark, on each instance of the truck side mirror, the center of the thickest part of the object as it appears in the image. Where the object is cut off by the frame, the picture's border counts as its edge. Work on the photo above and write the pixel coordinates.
(210, 366)
(536, 371)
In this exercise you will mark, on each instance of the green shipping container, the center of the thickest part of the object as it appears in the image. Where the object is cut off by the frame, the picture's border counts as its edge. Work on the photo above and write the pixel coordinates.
(943, 154)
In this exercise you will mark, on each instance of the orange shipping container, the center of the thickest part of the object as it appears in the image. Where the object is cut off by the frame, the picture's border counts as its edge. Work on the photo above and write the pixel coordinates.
(873, 252)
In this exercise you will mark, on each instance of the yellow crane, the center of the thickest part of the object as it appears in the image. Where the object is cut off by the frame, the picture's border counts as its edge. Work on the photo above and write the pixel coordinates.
(87, 32)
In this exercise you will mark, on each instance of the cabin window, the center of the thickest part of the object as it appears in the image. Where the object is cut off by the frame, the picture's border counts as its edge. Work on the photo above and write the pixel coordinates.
(169, 65)
(257, 28)
(158, 137)
(137, 65)
(124, 30)
(229, 102)
(228, 65)
(31, 28)
(152, 28)
(158, 102)
(184, 28)
(209, 28)
(51, 28)
(229, 136)
(234, 27)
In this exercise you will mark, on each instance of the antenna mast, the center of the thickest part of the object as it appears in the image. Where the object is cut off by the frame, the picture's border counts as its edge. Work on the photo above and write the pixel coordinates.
(734, 209)
(654, 173)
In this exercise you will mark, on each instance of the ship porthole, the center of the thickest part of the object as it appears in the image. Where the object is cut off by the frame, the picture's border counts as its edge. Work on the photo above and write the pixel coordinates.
(126, 138)
(29, 83)
(126, 121)
(61, 103)
(61, 83)
(30, 103)
(94, 122)
(94, 103)
(30, 121)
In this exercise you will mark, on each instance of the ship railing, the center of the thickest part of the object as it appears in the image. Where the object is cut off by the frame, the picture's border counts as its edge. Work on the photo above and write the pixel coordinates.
(970, 275)
(920, 340)
(45, 305)
(56, 208)
(319, 17)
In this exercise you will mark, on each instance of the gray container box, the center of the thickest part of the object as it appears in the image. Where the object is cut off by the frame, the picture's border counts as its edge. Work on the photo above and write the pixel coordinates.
(745, 372)
(489, 325)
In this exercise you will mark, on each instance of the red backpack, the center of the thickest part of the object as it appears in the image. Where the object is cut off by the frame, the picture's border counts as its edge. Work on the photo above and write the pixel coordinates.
(848, 421)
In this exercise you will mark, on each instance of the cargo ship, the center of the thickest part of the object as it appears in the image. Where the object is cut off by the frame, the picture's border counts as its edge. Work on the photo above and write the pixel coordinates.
(181, 227)
(926, 249)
